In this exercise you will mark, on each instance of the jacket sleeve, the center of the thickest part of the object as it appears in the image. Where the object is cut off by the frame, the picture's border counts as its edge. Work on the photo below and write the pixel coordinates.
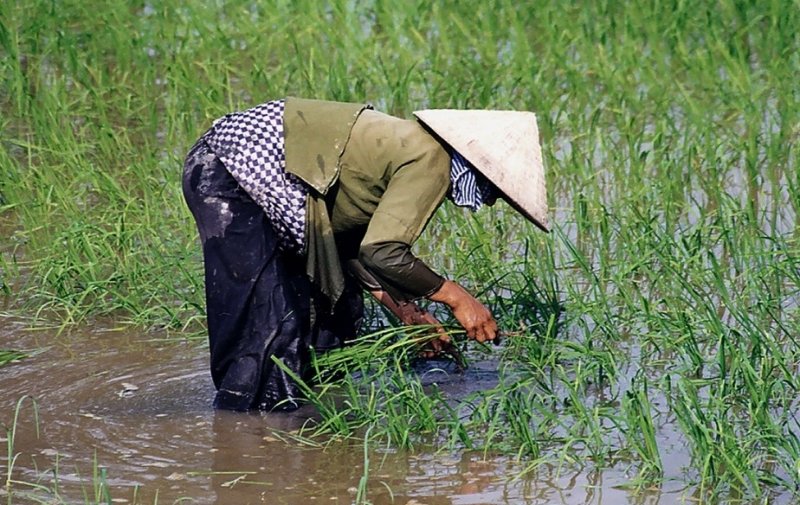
(401, 274)
(412, 196)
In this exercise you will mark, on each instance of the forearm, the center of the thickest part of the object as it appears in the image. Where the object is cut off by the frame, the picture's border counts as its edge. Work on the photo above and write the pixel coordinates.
(411, 314)
(470, 313)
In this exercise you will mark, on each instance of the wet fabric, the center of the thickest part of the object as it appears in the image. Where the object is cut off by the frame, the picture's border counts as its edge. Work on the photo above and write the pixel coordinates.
(260, 304)
(250, 144)
(404, 276)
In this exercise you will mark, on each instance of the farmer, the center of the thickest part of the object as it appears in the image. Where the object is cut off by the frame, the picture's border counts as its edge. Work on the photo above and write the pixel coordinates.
(301, 204)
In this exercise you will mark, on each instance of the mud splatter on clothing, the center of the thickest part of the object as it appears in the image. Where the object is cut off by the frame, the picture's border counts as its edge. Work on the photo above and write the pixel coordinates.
(259, 299)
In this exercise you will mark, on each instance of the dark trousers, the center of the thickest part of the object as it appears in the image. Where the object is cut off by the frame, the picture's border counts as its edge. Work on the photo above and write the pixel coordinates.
(260, 303)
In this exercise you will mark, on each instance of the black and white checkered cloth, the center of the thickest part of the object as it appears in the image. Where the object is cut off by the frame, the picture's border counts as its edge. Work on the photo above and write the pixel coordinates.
(250, 145)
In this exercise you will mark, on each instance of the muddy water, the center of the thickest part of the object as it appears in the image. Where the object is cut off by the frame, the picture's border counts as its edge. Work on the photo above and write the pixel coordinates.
(139, 408)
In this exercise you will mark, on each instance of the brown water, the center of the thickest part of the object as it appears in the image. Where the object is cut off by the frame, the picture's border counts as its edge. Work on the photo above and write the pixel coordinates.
(139, 407)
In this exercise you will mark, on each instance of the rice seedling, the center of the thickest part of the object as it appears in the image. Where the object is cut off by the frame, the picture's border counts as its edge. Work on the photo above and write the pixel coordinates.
(11, 453)
(361, 493)
(641, 432)
(9, 356)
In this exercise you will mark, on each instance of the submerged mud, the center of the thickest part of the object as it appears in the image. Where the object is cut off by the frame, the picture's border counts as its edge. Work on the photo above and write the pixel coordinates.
(130, 415)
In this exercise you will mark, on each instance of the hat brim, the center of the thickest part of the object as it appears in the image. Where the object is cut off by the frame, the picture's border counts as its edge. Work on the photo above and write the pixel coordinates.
(504, 147)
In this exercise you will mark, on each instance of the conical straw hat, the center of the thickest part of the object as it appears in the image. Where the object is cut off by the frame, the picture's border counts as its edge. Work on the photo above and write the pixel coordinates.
(504, 147)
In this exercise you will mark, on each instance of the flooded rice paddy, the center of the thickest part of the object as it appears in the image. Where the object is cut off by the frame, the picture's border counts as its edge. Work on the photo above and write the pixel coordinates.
(656, 358)
(126, 418)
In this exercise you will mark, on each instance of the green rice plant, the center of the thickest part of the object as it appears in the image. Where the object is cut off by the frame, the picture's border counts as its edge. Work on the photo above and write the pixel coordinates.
(101, 493)
(11, 453)
(393, 405)
(9, 356)
(718, 449)
(5, 276)
(521, 422)
(640, 431)
(361, 493)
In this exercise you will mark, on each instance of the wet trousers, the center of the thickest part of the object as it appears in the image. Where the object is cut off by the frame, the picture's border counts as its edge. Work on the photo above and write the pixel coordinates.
(260, 304)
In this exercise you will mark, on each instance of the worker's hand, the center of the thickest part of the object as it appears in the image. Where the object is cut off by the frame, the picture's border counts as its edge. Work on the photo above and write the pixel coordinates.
(410, 313)
(476, 319)
(470, 313)
(414, 315)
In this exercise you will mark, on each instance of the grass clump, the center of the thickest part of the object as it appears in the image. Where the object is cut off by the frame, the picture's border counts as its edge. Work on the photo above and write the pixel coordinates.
(9, 356)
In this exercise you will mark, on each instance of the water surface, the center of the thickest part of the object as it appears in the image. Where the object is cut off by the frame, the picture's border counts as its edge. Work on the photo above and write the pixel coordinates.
(139, 407)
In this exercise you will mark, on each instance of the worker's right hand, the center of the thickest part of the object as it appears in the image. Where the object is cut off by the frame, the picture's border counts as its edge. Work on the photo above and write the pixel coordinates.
(471, 314)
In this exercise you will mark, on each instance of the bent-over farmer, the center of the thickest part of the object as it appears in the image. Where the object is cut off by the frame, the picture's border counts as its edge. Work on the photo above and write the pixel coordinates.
(301, 204)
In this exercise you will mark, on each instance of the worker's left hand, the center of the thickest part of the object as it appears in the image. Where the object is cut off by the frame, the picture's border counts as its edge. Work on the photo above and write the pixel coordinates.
(411, 314)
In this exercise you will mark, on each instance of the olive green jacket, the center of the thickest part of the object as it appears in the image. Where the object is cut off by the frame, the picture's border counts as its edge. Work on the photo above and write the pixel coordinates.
(374, 178)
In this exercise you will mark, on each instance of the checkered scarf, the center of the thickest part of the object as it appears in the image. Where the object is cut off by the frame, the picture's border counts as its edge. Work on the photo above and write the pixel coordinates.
(251, 146)
(468, 187)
